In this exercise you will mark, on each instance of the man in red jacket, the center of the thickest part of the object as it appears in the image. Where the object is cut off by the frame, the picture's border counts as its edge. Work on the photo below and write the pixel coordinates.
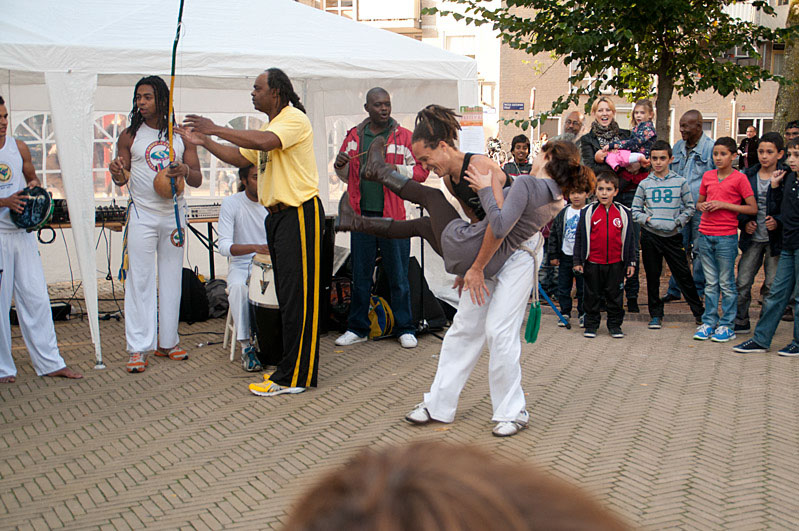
(370, 198)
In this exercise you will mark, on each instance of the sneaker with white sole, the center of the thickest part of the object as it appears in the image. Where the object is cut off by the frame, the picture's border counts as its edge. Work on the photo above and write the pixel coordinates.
(249, 361)
(590, 333)
(704, 332)
(137, 362)
(722, 334)
(270, 388)
(791, 350)
(511, 427)
(419, 415)
(349, 338)
(408, 340)
(750, 346)
(582, 321)
(564, 322)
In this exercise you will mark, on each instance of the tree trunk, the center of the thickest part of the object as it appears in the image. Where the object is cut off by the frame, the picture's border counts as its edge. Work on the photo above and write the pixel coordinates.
(663, 102)
(786, 108)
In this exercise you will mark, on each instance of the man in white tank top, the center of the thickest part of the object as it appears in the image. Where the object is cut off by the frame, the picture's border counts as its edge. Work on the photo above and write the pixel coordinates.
(21, 273)
(242, 233)
(151, 318)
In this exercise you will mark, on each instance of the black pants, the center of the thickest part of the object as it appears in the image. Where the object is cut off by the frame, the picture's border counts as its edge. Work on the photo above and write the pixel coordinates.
(631, 284)
(603, 281)
(566, 277)
(654, 249)
(295, 243)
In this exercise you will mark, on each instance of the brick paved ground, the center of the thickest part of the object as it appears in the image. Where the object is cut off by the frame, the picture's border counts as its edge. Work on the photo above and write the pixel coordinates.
(669, 432)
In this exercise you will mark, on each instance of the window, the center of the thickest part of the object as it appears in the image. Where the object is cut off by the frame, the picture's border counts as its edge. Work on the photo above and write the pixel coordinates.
(603, 78)
(37, 133)
(487, 92)
(106, 133)
(782, 2)
(461, 44)
(761, 124)
(344, 8)
(778, 59)
(709, 127)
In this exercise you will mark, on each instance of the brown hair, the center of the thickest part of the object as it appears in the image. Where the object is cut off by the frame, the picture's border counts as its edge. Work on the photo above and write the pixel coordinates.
(432, 486)
(435, 123)
(647, 104)
(565, 168)
(607, 176)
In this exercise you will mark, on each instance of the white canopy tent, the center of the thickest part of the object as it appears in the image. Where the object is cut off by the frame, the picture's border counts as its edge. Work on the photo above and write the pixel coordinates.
(70, 58)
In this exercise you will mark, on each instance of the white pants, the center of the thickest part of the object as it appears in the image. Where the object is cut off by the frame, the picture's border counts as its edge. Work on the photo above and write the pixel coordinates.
(151, 320)
(239, 299)
(497, 322)
(23, 277)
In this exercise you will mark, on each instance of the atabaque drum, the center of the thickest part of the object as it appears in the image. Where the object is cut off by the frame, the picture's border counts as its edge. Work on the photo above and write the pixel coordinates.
(37, 212)
(267, 327)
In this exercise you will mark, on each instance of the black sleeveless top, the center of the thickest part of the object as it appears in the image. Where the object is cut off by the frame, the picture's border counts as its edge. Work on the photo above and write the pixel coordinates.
(467, 195)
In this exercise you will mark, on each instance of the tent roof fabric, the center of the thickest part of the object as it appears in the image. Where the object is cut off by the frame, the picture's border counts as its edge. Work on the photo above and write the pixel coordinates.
(221, 39)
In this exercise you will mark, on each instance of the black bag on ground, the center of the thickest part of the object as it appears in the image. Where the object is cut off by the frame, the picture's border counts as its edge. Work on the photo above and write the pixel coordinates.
(193, 299)
(433, 312)
(217, 298)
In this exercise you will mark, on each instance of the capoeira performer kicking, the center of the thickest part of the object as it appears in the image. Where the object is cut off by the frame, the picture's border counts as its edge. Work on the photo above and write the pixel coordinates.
(473, 252)
(242, 234)
(151, 322)
(21, 273)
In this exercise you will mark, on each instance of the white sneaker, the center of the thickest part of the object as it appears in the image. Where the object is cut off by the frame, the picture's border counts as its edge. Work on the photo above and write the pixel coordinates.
(419, 415)
(349, 338)
(408, 340)
(508, 427)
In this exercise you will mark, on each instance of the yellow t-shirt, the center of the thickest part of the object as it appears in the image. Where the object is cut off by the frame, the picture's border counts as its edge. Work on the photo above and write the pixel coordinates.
(288, 174)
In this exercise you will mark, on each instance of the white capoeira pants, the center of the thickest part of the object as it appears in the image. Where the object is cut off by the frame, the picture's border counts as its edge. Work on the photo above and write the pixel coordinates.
(23, 277)
(151, 317)
(239, 298)
(497, 322)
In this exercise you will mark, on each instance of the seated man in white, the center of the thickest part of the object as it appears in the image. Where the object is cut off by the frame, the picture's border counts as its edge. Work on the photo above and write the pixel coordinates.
(242, 233)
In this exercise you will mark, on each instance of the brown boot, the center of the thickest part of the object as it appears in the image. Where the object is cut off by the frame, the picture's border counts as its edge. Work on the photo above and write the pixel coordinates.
(349, 221)
(378, 171)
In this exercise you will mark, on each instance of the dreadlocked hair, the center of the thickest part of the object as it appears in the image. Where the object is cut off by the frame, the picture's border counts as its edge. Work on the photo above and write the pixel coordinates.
(161, 92)
(564, 167)
(278, 79)
(435, 123)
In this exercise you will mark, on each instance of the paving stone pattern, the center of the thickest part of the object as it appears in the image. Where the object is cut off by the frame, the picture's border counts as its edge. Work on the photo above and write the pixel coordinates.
(669, 432)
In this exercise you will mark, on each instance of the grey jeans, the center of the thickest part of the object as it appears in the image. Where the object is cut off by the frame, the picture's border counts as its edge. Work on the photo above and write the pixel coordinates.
(758, 254)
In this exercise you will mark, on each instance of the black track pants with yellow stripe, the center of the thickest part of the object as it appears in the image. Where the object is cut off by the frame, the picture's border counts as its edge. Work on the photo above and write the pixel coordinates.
(295, 243)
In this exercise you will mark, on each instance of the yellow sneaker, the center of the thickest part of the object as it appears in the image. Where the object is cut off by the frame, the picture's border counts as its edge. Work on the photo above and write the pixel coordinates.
(270, 388)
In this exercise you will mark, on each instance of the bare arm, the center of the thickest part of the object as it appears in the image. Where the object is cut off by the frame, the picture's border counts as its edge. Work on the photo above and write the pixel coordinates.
(239, 249)
(247, 139)
(120, 166)
(750, 208)
(225, 153)
(194, 176)
(474, 279)
(16, 201)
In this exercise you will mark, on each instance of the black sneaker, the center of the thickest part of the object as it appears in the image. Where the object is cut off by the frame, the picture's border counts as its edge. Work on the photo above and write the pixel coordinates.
(616, 333)
(632, 306)
(750, 346)
(698, 320)
(590, 332)
(791, 350)
(742, 329)
(656, 323)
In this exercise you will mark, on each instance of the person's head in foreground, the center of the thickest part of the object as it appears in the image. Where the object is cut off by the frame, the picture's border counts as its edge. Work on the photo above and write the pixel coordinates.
(432, 486)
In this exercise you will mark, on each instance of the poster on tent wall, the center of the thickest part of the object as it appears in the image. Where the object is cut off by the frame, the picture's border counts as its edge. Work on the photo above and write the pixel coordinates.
(472, 138)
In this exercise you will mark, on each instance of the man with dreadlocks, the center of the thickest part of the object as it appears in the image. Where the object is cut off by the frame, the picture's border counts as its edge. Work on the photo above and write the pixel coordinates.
(288, 186)
(142, 151)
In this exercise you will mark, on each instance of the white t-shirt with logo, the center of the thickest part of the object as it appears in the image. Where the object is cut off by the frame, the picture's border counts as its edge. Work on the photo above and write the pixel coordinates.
(11, 179)
(572, 218)
(149, 154)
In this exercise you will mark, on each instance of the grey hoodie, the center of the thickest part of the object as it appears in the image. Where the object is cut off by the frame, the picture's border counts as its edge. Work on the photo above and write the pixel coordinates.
(666, 200)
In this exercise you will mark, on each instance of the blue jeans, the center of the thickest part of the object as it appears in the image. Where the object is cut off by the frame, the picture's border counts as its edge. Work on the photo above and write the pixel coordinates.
(718, 254)
(396, 254)
(690, 239)
(779, 295)
(758, 254)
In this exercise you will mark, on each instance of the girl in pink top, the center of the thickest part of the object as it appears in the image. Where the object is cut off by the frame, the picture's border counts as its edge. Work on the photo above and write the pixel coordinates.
(723, 194)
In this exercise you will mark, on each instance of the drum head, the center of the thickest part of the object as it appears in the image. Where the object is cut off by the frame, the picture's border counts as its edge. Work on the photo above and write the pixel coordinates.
(37, 212)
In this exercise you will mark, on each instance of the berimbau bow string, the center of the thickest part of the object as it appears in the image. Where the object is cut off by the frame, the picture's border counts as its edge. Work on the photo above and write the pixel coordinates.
(171, 120)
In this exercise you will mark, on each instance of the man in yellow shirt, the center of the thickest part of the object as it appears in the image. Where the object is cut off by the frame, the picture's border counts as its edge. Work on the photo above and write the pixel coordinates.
(288, 187)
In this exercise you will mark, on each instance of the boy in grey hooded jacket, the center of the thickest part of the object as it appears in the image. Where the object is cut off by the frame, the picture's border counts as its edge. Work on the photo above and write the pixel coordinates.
(663, 205)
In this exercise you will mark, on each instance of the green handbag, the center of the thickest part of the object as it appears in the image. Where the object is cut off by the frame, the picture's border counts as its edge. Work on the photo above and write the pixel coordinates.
(533, 321)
